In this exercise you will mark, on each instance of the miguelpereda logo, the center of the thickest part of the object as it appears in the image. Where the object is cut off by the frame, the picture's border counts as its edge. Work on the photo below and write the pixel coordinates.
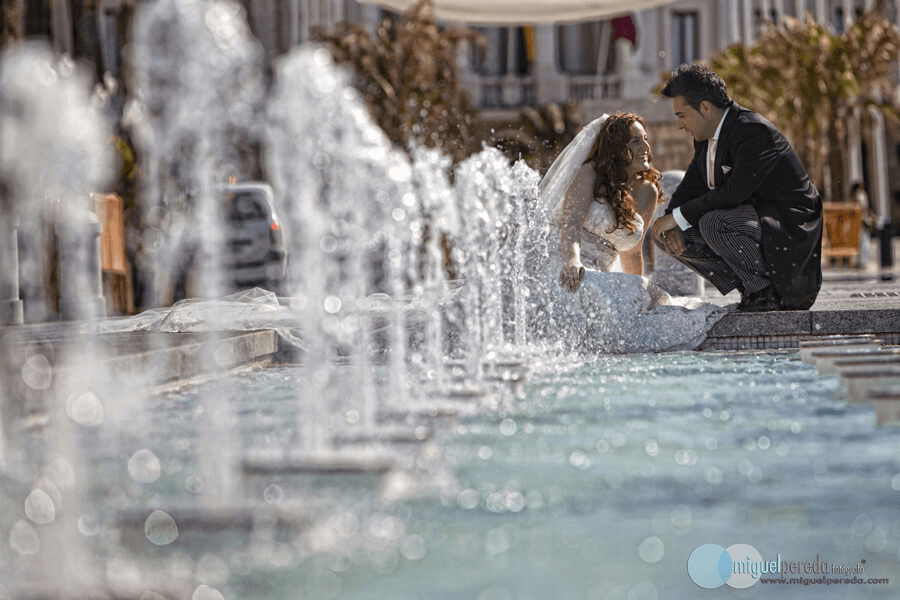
(739, 566)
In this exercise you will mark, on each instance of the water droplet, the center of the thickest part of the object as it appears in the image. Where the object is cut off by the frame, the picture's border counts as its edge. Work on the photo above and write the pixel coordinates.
(877, 540)
(85, 409)
(144, 467)
(643, 591)
(60, 472)
(205, 592)
(682, 519)
(507, 427)
(651, 447)
(685, 457)
(497, 542)
(385, 561)
(39, 507)
(652, 549)
(764, 442)
(273, 494)
(24, 539)
(413, 547)
(755, 475)
(194, 484)
(37, 373)
(862, 525)
(160, 528)
(468, 499)
(89, 524)
(485, 452)
(580, 460)
(714, 475)
(213, 569)
(387, 527)
(332, 305)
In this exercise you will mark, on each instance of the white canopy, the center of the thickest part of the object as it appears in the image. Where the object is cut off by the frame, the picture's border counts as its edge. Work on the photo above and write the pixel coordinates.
(524, 12)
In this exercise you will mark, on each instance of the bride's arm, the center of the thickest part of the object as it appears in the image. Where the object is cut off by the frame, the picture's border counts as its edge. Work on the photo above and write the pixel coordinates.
(633, 260)
(645, 197)
(574, 210)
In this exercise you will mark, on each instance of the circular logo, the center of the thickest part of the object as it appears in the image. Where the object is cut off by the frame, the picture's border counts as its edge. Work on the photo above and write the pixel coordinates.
(711, 566)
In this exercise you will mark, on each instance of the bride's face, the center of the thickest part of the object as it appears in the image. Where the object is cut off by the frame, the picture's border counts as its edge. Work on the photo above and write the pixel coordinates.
(639, 148)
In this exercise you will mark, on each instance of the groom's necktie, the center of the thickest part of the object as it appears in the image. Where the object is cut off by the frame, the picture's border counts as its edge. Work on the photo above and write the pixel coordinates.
(711, 163)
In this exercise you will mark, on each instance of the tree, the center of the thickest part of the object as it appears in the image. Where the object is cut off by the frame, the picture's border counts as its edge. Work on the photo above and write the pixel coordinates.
(539, 135)
(809, 81)
(11, 20)
(408, 75)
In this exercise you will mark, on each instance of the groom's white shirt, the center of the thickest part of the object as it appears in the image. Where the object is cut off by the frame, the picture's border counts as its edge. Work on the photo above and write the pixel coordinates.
(710, 162)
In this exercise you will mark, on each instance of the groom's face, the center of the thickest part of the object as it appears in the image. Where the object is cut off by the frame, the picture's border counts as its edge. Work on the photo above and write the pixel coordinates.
(699, 123)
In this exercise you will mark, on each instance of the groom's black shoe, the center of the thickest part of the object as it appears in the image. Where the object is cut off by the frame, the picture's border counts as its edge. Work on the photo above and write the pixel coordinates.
(764, 300)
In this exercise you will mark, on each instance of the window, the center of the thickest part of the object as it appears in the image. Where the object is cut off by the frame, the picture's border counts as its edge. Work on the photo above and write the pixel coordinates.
(685, 43)
(492, 59)
(502, 57)
(579, 47)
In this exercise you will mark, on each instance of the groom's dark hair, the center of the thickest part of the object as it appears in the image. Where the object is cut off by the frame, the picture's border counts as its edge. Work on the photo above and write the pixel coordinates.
(696, 83)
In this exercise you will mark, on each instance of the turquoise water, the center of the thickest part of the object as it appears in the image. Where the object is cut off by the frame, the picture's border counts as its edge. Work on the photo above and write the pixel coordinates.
(598, 483)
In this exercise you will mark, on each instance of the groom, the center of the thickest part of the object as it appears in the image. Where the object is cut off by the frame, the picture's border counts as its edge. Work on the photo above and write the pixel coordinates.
(746, 214)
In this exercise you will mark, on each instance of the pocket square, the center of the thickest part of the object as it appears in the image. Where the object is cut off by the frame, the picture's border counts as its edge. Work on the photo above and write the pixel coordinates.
(726, 169)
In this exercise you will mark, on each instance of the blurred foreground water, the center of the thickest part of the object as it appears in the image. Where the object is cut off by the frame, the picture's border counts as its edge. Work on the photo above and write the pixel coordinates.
(597, 482)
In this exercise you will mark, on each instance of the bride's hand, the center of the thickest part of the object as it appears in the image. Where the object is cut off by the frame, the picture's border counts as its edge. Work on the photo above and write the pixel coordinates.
(570, 277)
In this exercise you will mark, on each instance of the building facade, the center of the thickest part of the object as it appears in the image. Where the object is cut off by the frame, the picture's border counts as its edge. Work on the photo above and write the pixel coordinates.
(603, 65)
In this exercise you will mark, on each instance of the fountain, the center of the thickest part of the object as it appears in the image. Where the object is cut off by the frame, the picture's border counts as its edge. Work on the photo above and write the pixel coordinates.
(432, 438)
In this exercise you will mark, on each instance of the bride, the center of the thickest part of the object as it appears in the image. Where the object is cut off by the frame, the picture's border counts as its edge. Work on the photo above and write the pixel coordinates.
(600, 195)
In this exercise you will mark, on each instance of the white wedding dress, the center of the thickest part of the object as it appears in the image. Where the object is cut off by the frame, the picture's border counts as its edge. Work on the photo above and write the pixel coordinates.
(612, 311)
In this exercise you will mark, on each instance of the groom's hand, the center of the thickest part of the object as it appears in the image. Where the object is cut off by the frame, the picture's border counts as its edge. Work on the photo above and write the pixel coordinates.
(667, 234)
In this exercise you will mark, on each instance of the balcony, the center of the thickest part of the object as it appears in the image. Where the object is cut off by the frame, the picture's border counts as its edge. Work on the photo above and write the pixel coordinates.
(584, 88)
(506, 91)
(509, 91)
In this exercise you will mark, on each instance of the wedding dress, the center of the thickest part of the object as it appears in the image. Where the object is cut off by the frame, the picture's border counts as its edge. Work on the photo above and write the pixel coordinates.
(612, 311)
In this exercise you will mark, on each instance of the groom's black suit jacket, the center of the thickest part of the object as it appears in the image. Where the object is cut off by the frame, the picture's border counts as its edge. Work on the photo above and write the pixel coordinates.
(756, 165)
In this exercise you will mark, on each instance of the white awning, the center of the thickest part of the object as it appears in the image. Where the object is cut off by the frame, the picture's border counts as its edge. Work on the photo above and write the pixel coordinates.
(524, 12)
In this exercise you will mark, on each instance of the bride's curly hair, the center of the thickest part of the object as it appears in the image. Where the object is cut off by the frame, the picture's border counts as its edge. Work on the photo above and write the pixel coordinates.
(611, 157)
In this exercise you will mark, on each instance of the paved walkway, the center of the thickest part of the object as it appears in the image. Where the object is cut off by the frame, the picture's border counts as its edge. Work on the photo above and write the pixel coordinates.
(850, 301)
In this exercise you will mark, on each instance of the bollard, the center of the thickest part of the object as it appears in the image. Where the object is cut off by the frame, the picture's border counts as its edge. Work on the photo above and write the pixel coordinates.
(80, 277)
(887, 251)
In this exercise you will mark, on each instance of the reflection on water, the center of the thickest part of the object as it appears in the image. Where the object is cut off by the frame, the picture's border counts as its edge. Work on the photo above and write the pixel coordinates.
(598, 483)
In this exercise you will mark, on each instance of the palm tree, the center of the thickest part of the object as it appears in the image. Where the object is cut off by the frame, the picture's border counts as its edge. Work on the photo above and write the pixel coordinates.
(808, 81)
